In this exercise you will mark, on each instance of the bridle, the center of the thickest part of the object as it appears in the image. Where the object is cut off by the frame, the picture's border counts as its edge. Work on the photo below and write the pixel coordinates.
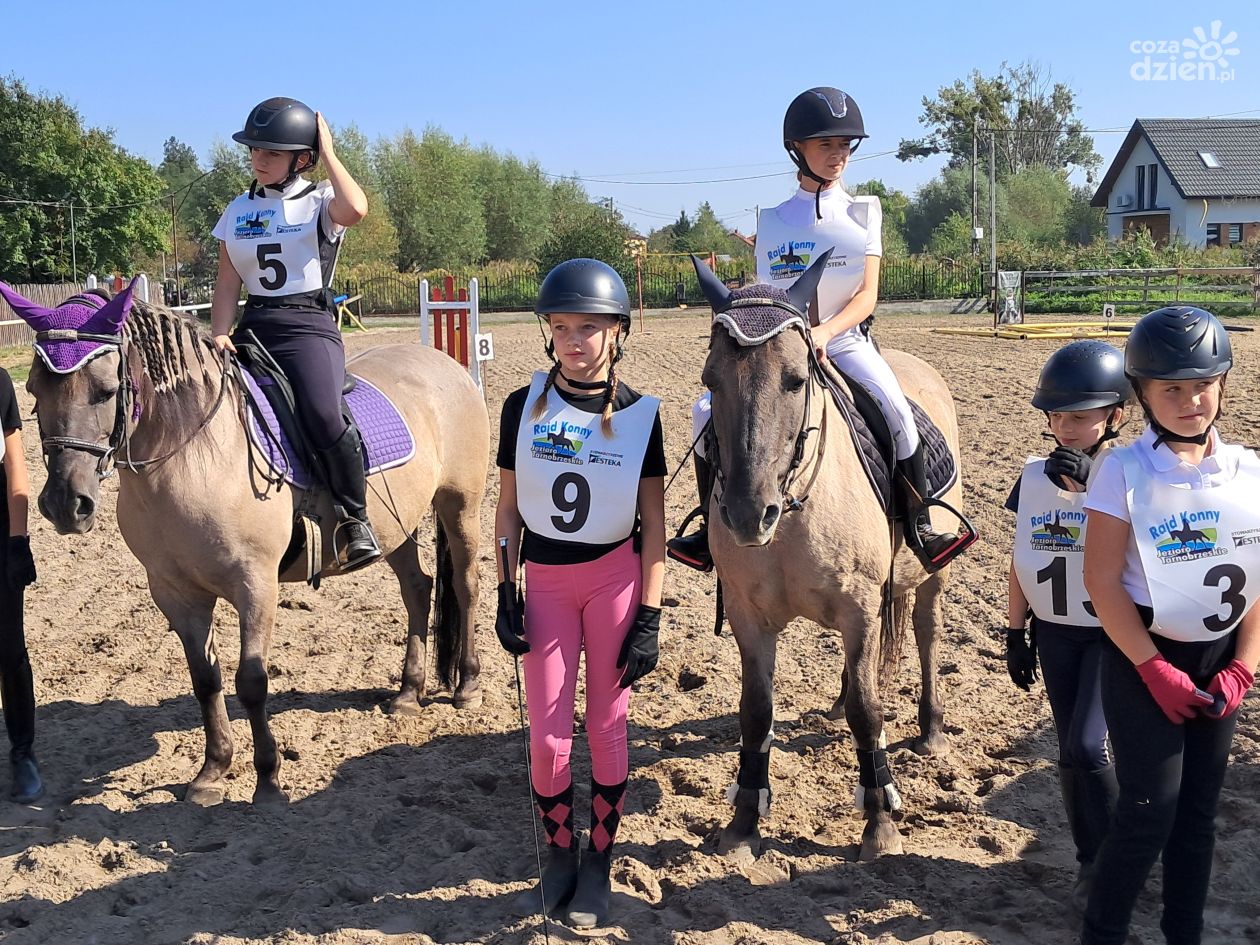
(789, 501)
(109, 452)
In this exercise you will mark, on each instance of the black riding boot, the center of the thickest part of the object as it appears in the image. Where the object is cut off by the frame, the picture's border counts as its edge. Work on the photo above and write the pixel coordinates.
(1089, 798)
(560, 872)
(353, 540)
(937, 549)
(17, 689)
(693, 550)
(589, 907)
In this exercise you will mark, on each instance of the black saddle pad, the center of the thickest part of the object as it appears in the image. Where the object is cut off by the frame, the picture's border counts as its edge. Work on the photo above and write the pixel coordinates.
(874, 442)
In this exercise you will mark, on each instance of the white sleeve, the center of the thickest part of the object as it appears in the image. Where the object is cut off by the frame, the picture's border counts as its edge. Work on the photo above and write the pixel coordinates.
(874, 228)
(1108, 490)
(332, 230)
(223, 228)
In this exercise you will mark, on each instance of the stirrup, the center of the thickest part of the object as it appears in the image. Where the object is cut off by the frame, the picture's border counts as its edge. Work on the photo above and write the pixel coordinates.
(680, 554)
(964, 538)
(346, 564)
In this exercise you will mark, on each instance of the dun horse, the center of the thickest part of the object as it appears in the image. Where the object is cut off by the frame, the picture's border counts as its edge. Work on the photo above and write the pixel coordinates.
(137, 388)
(797, 531)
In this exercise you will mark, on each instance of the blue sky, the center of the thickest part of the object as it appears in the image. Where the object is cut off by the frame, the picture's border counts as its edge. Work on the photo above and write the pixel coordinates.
(608, 90)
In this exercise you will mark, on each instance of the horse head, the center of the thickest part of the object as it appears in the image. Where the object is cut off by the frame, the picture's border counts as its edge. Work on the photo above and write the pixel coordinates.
(75, 378)
(758, 371)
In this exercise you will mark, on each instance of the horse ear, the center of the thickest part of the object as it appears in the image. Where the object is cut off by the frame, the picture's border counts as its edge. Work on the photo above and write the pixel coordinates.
(37, 316)
(803, 289)
(109, 320)
(715, 291)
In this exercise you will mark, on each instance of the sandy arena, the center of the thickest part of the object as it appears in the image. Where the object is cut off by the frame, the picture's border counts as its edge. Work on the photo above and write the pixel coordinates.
(417, 830)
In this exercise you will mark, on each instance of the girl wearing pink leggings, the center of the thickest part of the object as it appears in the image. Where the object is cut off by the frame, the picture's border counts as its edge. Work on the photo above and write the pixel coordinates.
(581, 474)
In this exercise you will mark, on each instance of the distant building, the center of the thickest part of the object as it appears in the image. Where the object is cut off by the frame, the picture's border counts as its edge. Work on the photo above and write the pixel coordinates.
(1196, 178)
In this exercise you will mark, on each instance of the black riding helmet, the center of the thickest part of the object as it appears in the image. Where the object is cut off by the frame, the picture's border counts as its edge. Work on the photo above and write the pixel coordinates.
(585, 286)
(282, 124)
(821, 112)
(1084, 375)
(1177, 343)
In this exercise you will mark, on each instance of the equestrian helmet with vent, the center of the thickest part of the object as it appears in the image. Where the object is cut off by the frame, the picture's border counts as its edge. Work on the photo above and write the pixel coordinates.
(822, 112)
(584, 286)
(1178, 343)
(281, 124)
(1084, 375)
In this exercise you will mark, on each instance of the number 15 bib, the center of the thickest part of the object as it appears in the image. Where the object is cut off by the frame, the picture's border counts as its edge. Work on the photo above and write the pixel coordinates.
(1200, 550)
(573, 483)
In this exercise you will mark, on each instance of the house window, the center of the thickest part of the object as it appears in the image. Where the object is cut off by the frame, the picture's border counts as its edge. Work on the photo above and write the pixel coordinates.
(1141, 187)
(1235, 233)
(1209, 159)
(1213, 234)
(1152, 180)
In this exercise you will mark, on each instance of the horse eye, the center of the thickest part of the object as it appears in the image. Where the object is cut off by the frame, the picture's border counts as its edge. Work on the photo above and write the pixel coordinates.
(103, 397)
(791, 384)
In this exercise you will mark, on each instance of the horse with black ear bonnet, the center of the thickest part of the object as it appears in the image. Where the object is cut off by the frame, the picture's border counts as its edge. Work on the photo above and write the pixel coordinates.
(797, 530)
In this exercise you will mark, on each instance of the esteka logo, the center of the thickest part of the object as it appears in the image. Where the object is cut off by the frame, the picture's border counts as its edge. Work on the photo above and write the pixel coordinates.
(1204, 56)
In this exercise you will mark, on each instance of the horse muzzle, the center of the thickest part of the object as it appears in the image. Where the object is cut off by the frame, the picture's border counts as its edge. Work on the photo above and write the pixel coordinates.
(71, 509)
(751, 523)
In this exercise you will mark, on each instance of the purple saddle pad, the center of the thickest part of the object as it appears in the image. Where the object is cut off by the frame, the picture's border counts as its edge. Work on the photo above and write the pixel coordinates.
(386, 440)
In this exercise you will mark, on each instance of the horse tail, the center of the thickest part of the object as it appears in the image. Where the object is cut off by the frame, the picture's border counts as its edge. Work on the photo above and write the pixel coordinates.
(446, 616)
(893, 629)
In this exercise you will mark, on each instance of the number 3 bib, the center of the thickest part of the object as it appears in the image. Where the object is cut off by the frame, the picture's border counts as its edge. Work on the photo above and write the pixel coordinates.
(573, 483)
(1200, 549)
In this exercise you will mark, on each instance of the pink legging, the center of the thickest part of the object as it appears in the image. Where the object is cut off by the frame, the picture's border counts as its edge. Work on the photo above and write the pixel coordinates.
(570, 608)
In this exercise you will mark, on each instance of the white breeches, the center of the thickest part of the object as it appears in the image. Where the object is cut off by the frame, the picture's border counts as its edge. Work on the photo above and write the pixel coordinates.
(858, 359)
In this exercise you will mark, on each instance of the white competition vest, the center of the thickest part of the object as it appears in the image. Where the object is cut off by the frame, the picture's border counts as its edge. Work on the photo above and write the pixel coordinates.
(784, 252)
(573, 483)
(1200, 549)
(1049, 554)
(273, 242)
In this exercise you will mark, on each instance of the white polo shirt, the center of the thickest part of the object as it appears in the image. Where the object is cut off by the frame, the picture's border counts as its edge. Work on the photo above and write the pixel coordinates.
(1108, 490)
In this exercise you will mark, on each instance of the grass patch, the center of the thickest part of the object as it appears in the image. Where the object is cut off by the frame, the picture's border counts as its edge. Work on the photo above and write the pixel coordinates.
(16, 359)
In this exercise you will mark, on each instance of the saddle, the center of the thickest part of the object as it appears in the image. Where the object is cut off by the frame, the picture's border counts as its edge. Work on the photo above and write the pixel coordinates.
(873, 440)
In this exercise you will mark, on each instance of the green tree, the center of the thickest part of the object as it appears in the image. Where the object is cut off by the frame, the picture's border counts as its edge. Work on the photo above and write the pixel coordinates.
(373, 242)
(594, 233)
(205, 202)
(947, 193)
(48, 158)
(430, 187)
(516, 204)
(1034, 120)
(1036, 205)
(1082, 224)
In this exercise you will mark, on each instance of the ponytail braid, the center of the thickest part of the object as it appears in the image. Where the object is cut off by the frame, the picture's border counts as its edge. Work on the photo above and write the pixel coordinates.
(540, 405)
(609, 398)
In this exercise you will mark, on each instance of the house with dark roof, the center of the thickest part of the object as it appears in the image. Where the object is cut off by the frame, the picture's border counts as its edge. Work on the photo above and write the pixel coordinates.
(1195, 178)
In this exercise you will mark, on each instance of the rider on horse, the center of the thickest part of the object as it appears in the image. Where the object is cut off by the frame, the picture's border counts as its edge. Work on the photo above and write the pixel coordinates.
(280, 239)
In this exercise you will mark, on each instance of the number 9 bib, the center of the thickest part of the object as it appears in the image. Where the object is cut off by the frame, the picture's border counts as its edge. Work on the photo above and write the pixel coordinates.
(573, 483)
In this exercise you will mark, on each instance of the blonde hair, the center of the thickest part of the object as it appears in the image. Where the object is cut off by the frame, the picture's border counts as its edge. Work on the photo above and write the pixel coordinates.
(610, 395)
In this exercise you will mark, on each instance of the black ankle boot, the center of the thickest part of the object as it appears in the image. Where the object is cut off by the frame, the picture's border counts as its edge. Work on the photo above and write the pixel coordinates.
(693, 550)
(353, 539)
(559, 880)
(589, 906)
(17, 691)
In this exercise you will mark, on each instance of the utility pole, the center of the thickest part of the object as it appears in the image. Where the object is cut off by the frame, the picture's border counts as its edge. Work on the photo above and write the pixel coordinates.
(975, 210)
(74, 256)
(175, 250)
(993, 218)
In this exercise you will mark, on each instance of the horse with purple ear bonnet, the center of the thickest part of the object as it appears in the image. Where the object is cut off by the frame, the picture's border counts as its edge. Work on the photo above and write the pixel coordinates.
(123, 385)
(796, 530)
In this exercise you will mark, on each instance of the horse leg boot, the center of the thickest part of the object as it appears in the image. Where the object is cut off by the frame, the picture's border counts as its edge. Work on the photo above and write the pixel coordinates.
(1089, 799)
(693, 550)
(589, 908)
(937, 550)
(560, 873)
(17, 689)
(347, 481)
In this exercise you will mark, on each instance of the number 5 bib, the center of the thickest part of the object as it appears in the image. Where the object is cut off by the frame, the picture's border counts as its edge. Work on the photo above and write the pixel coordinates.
(1200, 549)
(1049, 551)
(573, 483)
(273, 242)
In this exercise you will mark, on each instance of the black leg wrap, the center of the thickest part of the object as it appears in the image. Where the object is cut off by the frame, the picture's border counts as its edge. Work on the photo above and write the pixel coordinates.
(873, 768)
(754, 769)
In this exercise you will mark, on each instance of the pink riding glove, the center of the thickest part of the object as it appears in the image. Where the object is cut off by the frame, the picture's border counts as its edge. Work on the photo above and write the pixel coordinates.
(1231, 683)
(1174, 691)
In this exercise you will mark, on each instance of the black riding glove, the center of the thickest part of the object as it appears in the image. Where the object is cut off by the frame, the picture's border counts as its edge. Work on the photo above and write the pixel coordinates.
(19, 563)
(641, 648)
(1021, 658)
(1069, 463)
(509, 622)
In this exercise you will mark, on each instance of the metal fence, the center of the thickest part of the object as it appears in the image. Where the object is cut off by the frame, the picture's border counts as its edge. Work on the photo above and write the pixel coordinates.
(1225, 290)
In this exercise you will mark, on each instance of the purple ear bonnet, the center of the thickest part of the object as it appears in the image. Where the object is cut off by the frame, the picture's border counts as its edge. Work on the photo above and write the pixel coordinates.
(61, 348)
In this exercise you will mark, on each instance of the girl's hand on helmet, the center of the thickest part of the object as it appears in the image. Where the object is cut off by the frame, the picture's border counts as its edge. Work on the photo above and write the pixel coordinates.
(224, 343)
(325, 137)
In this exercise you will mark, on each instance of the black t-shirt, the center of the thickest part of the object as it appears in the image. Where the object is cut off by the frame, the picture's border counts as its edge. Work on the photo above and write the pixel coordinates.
(1012, 500)
(10, 420)
(542, 550)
